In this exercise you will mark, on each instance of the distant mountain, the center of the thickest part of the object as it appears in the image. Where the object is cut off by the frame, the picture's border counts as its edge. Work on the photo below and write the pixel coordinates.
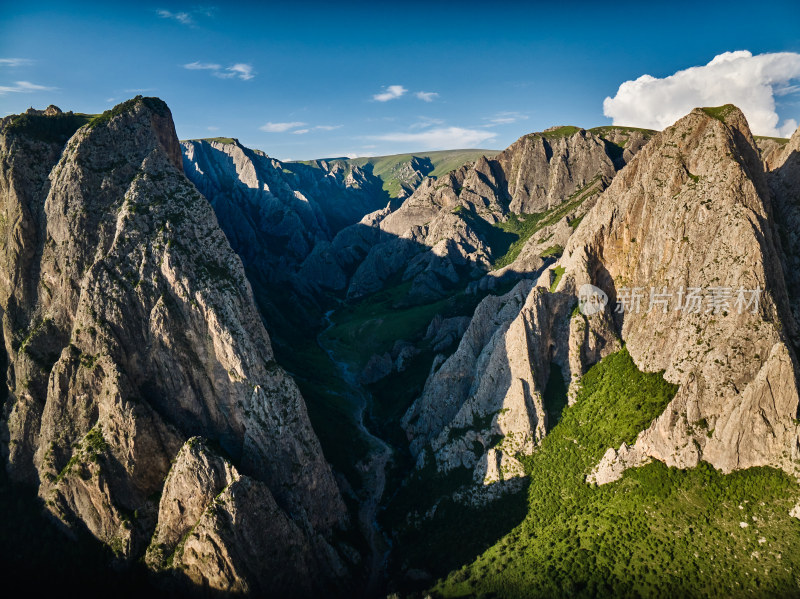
(477, 218)
(281, 217)
(401, 174)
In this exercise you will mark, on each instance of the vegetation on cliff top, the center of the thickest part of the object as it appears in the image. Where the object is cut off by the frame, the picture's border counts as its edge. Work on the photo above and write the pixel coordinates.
(57, 128)
(157, 105)
(657, 532)
(719, 112)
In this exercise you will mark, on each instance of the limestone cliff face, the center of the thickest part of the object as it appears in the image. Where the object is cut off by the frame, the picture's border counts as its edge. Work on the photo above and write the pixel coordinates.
(693, 211)
(483, 406)
(488, 394)
(542, 170)
(276, 214)
(130, 327)
(438, 236)
(534, 174)
(783, 175)
(770, 149)
(218, 527)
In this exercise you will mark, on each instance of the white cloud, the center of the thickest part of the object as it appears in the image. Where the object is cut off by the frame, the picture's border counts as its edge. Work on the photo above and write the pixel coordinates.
(424, 122)
(202, 66)
(750, 82)
(506, 118)
(444, 138)
(23, 87)
(392, 92)
(15, 62)
(280, 127)
(284, 127)
(183, 18)
(212, 128)
(426, 96)
(241, 70)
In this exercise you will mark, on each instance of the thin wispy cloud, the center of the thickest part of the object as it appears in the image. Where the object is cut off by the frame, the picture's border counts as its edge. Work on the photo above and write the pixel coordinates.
(505, 118)
(296, 127)
(15, 62)
(426, 96)
(241, 70)
(184, 18)
(187, 17)
(202, 66)
(785, 90)
(392, 93)
(441, 138)
(22, 87)
(424, 122)
(139, 90)
(280, 127)
(750, 82)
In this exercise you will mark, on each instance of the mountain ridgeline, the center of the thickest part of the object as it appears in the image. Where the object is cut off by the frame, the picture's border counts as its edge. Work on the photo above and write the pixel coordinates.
(371, 376)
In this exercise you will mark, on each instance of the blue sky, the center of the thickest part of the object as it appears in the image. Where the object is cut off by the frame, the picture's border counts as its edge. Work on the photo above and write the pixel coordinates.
(305, 80)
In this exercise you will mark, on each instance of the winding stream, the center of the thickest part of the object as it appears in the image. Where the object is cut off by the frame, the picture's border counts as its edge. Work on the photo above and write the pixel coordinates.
(373, 470)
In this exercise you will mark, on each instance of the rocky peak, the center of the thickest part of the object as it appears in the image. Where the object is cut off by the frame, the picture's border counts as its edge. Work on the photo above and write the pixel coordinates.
(544, 169)
(130, 327)
(693, 210)
(449, 226)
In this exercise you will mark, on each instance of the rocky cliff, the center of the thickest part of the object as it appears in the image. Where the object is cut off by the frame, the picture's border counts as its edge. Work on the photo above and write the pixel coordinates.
(690, 224)
(783, 175)
(129, 328)
(276, 213)
(689, 228)
(458, 227)
(484, 406)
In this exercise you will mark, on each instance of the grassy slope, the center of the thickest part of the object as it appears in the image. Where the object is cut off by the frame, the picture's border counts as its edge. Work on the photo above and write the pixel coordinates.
(608, 129)
(443, 162)
(657, 532)
(719, 112)
(373, 325)
(221, 140)
(780, 140)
